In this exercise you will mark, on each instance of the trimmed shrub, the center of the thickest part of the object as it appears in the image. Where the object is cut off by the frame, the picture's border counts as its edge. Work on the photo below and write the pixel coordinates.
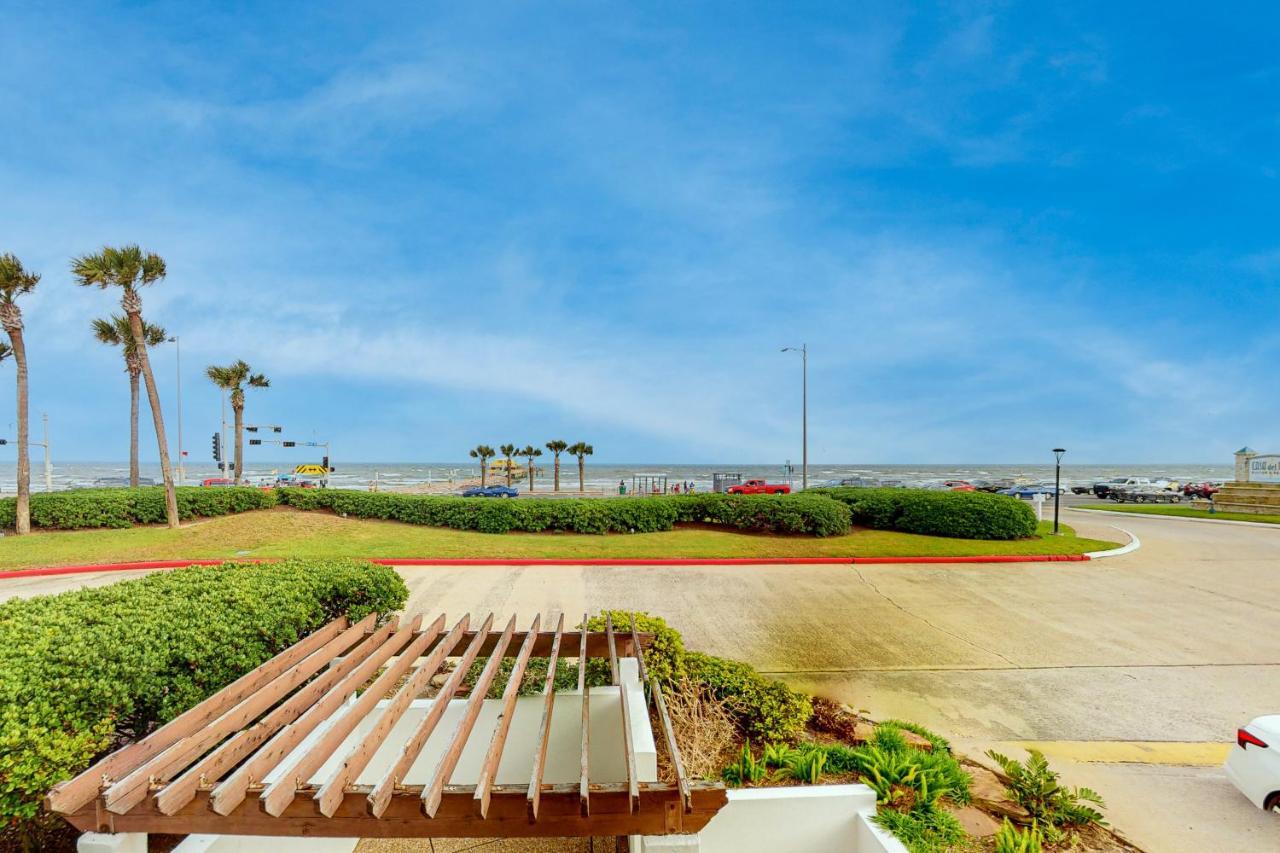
(767, 710)
(85, 508)
(808, 513)
(82, 669)
(960, 515)
(813, 515)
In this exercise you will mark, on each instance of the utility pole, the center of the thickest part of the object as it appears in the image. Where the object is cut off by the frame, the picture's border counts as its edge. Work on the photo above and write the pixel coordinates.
(803, 349)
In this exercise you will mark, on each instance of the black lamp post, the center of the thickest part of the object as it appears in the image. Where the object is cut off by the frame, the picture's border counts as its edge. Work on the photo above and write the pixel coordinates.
(1057, 484)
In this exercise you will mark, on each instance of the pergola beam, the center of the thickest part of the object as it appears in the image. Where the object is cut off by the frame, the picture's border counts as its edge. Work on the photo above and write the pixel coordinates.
(492, 758)
(449, 759)
(544, 725)
(628, 741)
(584, 779)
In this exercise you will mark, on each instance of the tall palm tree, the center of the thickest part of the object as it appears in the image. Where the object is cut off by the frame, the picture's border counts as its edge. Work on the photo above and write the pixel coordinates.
(557, 447)
(508, 450)
(116, 332)
(232, 379)
(129, 268)
(529, 453)
(484, 453)
(15, 280)
(581, 450)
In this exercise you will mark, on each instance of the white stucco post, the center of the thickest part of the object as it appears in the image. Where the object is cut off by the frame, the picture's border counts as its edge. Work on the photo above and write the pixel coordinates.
(104, 842)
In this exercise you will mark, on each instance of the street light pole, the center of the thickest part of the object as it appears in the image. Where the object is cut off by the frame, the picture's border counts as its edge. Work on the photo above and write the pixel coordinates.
(803, 349)
(1057, 485)
(177, 347)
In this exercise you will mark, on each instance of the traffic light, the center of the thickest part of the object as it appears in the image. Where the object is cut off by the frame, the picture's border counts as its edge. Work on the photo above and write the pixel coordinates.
(289, 443)
(255, 441)
(250, 429)
(4, 441)
(325, 463)
(277, 429)
(217, 447)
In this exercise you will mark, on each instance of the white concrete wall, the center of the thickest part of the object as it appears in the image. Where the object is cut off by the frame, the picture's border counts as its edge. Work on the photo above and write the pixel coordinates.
(260, 843)
(800, 819)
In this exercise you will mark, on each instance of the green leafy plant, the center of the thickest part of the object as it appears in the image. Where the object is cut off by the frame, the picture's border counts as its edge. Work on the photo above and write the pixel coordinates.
(119, 508)
(962, 515)
(1010, 839)
(767, 710)
(805, 765)
(1036, 787)
(746, 770)
(923, 831)
(82, 669)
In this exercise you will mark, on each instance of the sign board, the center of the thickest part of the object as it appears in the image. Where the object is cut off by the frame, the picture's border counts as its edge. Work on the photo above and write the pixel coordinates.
(1265, 468)
(311, 470)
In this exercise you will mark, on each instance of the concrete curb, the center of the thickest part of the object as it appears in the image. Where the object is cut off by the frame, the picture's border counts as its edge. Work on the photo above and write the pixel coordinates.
(1175, 517)
(1134, 544)
(155, 565)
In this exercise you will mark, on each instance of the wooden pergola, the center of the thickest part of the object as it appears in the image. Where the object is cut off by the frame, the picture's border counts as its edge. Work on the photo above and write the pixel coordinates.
(281, 751)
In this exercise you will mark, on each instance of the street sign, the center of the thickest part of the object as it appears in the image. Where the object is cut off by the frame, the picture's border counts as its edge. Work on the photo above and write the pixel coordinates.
(311, 470)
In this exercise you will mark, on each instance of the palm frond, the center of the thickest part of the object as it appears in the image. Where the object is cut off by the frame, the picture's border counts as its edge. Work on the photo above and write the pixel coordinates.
(15, 279)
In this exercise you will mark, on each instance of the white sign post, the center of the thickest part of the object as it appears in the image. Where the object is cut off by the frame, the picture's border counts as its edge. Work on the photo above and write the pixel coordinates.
(1038, 500)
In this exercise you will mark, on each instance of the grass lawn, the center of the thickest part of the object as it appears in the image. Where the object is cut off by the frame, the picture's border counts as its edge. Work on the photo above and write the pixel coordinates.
(1186, 512)
(285, 532)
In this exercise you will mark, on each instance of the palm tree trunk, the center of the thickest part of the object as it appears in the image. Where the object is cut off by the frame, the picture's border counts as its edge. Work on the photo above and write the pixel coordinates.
(22, 522)
(133, 429)
(484, 472)
(153, 398)
(582, 466)
(508, 472)
(239, 413)
(557, 488)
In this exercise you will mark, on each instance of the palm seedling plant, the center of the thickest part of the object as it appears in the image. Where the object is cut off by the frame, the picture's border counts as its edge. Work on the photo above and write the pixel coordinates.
(232, 379)
(484, 453)
(129, 268)
(581, 450)
(116, 332)
(530, 452)
(557, 447)
(508, 450)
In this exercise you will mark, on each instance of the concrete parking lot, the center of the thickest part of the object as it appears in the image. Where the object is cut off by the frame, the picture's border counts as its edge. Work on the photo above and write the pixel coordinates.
(1132, 671)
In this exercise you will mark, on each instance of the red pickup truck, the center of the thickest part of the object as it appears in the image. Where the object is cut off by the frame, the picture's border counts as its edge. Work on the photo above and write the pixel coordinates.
(759, 487)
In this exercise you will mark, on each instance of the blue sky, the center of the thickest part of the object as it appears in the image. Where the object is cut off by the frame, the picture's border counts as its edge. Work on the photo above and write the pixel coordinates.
(999, 227)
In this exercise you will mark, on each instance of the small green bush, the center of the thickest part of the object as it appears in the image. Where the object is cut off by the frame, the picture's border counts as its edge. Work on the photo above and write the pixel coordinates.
(806, 514)
(1010, 839)
(923, 831)
(767, 710)
(87, 508)
(960, 515)
(1036, 787)
(80, 669)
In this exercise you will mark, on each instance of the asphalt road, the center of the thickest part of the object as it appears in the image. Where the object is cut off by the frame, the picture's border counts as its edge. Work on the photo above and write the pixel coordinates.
(1131, 671)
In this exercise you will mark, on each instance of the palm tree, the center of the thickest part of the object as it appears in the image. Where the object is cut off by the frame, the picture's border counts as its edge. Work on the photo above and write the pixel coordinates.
(129, 268)
(557, 447)
(508, 450)
(581, 450)
(529, 453)
(232, 379)
(484, 453)
(116, 332)
(15, 280)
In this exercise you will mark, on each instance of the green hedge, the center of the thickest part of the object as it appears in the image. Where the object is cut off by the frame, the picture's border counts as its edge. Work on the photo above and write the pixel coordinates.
(960, 515)
(80, 669)
(82, 508)
(767, 710)
(808, 514)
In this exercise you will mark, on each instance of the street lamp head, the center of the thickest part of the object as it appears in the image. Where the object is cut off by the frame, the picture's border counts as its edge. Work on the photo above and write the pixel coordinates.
(1057, 453)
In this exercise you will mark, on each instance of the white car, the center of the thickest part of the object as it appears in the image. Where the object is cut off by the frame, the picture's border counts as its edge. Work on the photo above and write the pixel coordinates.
(1253, 765)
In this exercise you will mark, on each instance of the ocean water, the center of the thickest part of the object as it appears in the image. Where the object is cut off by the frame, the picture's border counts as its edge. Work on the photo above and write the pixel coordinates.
(605, 477)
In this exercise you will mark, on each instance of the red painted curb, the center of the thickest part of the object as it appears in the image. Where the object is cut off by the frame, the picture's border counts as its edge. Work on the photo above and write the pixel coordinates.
(478, 561)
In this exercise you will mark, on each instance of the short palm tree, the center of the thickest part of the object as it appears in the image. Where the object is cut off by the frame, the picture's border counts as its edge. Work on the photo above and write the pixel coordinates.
(129, 268)
(233, 378)
(16, 280)
(581, 450)
(484, 453)
(116, 332)
(530, 452)
(557, 447)
(508, 450)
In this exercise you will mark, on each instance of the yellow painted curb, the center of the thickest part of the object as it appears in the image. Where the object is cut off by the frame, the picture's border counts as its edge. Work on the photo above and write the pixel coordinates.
(1196, 754)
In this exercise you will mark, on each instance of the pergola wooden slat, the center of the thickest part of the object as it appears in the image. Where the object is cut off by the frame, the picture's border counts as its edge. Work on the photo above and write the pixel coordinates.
(323, 709)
